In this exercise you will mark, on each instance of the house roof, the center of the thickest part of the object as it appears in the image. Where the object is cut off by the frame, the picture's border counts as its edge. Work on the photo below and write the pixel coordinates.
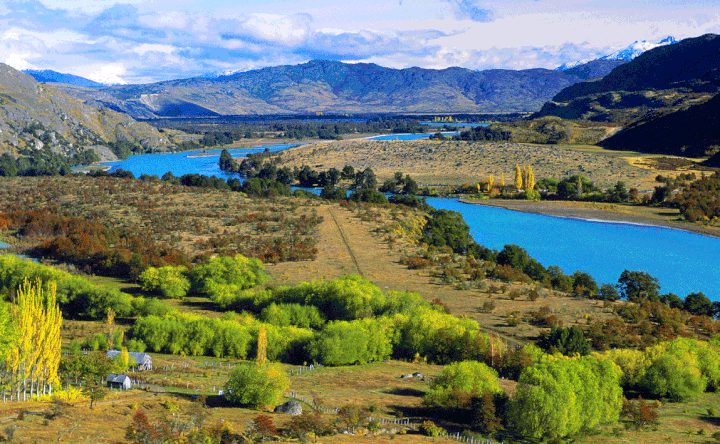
(139, 358)
(120, 379)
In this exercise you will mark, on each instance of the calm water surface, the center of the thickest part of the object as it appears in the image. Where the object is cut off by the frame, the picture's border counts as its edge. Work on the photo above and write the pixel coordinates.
(406, 136)
(684, 262)
(187, 162)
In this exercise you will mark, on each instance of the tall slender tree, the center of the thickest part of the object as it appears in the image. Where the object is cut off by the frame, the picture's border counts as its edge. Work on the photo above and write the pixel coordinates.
(530, 178)
(518, 177)
(35, 356)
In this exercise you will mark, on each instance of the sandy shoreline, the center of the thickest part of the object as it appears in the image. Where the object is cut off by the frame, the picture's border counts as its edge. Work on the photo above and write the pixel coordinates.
(571, 210)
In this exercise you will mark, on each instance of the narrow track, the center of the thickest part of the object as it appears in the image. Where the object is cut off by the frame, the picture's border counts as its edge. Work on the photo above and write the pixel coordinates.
(347, 244)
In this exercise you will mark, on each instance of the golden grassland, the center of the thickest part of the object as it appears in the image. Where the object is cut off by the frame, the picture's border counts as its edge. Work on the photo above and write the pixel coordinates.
(456, 162)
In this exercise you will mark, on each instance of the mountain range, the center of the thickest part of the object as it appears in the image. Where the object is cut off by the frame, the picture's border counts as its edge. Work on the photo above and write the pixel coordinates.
(336, 87)
(36, 116)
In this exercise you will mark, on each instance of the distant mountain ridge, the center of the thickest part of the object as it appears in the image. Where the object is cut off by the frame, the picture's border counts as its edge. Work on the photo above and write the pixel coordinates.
(50, 76)
(336, 87)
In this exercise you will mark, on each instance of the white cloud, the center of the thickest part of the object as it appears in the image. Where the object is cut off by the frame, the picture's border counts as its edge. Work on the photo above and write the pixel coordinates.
(164, 39)
(111, 74)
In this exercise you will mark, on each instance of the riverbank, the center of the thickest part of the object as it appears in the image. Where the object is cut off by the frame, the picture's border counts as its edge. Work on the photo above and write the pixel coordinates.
(605, 212)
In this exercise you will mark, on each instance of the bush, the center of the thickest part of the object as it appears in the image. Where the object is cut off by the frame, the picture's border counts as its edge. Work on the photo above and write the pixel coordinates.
(459, 382)
(567, 341)
(257, 385)
(169, 281)
(560, 397)
(284, 315)
(428, 428)
(361, 341)
(671, 377)
(223, 276)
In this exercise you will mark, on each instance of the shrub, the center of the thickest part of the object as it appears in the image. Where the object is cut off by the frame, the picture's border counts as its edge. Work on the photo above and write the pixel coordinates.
(640, 413)
(256, 385)
(469, 378)
(168, 281)
(671, 377)
(560, 397)
(224, 275)
(284, 315)
(361, 341)
(567, 341)
(428, 428)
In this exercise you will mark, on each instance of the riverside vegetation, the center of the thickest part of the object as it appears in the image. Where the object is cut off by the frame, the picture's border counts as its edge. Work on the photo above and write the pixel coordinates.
(190, 301)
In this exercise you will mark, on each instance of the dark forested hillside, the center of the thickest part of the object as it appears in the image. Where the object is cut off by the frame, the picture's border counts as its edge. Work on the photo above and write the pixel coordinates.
(691, 132)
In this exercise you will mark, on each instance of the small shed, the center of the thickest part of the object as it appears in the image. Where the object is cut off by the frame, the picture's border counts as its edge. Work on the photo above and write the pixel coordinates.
(122, 382)
(142, 361)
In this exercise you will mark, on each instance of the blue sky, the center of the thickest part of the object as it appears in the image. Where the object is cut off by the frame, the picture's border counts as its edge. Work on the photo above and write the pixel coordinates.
(137, 41)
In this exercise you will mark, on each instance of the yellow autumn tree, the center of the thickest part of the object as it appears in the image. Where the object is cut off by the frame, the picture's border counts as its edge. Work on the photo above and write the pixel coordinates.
(530, 178)
(518, 177)
(502, 179)
(491, 182)
(111, 326)
(33, 360)
(261, 345)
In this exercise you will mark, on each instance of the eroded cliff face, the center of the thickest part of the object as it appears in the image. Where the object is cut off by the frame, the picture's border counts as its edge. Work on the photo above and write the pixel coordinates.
(40, 116)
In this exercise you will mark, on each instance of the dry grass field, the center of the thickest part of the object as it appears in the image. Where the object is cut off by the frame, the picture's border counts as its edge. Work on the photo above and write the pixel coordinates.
(455, 163)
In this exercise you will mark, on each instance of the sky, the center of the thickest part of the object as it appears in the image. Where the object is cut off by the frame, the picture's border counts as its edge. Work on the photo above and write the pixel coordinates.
(143, 41)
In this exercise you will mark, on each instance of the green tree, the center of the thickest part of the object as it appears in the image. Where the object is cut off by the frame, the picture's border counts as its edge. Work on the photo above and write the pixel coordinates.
(257, 385)
(558, 398)
(168, 281)
(698, 304)
(670, 376)
(96, 394)
(584, 284)
(461, 381)
(226, 163)
(565, 340)
(222, 276)
(636, 286)
(608, 292)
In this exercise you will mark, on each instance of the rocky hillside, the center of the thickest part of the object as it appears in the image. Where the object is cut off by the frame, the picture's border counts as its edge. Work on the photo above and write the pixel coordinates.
(664, 79)
(40, 116)
(335, 87)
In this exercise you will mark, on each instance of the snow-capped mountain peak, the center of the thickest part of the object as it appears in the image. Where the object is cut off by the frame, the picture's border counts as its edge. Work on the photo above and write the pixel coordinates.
(630, 52)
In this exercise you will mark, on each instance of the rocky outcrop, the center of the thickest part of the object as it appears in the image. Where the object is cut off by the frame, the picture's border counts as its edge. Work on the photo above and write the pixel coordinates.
(291, 407)
(40, 116)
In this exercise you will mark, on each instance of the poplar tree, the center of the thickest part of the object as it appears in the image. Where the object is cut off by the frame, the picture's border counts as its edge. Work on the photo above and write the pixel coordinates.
(36, 319)
(262, 345)
(111, 326)
(530, 178)
(491, 182)
(502, 179)
(518, 177)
